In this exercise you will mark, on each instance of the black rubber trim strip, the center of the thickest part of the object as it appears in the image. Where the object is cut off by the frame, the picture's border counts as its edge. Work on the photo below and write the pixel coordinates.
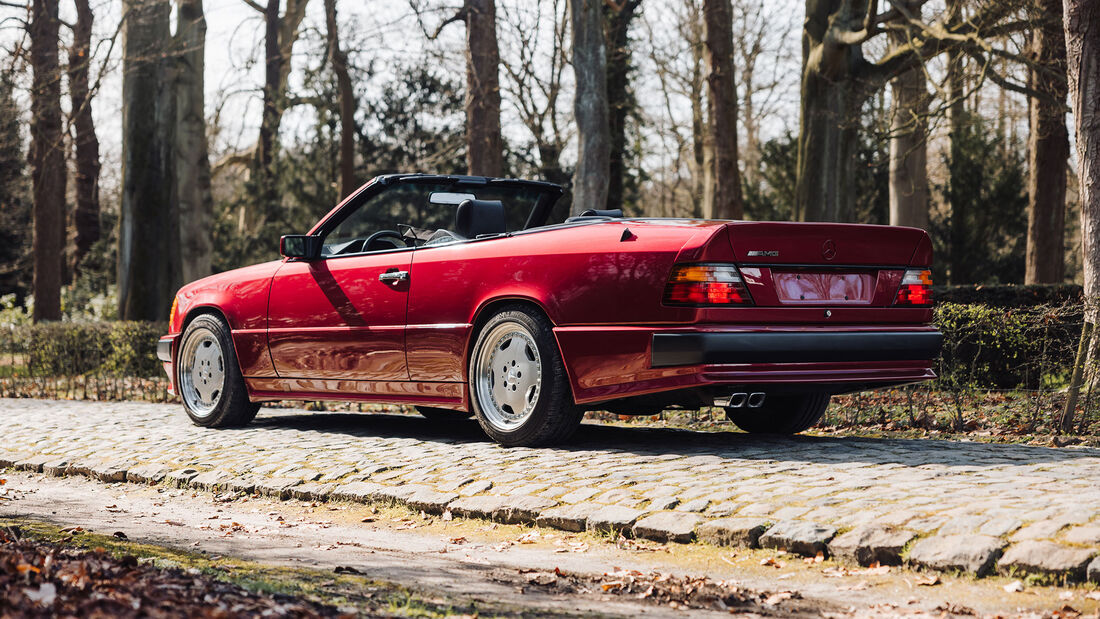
(671, 349)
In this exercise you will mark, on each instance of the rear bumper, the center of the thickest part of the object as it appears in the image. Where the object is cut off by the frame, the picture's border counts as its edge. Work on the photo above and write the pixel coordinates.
(607, 362)
(716, 348)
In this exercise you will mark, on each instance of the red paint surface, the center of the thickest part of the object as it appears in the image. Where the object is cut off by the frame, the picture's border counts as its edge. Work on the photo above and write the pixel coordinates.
(336, 332)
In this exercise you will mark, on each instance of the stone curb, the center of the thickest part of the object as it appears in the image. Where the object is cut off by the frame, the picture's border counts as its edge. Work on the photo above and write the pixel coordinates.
(979, 555)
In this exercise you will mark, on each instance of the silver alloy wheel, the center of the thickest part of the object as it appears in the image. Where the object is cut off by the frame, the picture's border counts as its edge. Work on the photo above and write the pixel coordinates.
(509, 376)
(202, 372)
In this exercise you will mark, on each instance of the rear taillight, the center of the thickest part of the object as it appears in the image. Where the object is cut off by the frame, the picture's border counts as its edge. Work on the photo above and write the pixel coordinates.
(706, 284)
(916, 288)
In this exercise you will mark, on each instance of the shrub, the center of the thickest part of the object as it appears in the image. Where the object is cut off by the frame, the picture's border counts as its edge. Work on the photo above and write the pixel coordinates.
(119, 349)
(1004, 348)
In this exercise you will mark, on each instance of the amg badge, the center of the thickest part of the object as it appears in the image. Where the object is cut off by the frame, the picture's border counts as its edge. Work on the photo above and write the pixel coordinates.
(770, 253)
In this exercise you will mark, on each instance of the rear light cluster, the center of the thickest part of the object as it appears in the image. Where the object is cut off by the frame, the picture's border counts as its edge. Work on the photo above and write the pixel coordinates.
(916, 288)
(706, 284)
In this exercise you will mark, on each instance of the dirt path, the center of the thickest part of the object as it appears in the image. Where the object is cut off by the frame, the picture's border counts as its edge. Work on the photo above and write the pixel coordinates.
(481, 561)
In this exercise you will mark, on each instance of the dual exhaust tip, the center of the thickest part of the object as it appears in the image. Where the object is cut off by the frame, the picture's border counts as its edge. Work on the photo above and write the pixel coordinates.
(742, 400)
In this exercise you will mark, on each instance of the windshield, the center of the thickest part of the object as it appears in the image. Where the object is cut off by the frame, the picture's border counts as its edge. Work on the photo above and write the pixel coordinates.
(412, 212)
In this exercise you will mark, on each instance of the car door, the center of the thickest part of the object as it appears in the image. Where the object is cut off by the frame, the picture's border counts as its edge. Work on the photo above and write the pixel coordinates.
(342, 316)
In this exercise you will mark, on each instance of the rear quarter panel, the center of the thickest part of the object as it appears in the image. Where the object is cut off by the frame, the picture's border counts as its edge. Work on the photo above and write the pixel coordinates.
(583, 275)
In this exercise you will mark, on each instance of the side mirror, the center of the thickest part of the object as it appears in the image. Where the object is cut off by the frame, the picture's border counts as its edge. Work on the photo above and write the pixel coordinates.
(300, 246)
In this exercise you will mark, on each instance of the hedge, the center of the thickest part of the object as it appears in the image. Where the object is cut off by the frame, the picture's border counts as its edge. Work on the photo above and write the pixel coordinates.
(119, 349)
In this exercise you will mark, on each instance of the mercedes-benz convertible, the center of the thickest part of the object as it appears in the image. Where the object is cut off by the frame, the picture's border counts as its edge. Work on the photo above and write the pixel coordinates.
(480, 296)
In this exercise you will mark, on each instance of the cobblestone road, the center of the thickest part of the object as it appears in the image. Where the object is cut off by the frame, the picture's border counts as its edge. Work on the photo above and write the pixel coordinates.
(934, 504)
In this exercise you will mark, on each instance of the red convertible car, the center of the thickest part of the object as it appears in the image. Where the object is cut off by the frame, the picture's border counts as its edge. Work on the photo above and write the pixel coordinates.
(478, 296)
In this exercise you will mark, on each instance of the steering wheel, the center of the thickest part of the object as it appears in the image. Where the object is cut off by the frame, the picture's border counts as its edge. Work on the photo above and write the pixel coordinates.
(389, 235)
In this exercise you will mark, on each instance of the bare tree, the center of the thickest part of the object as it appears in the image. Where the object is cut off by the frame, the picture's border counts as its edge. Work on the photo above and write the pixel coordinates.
(344, 88)
(837, 79)
(484, 144)
(148, 247)
(86, 214)
(47, 159)
(1048, 148)
(590, 182)
(619, 14)
(191, 180)
(534, 79)
(1082, 30)
(908, 136)
(722, 93)
(281, 31)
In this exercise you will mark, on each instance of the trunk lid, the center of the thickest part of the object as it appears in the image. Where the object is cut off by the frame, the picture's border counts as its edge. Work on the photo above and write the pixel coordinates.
(818, 264)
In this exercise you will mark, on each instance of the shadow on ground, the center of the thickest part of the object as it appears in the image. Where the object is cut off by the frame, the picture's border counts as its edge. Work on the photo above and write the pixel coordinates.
(667, 441)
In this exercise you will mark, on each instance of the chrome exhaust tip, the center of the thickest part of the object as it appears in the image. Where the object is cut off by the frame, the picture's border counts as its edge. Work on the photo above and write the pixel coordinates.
(734, 400)
(756, 399)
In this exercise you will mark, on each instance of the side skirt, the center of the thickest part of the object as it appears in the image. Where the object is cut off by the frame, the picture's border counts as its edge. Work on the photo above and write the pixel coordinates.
(439, 394)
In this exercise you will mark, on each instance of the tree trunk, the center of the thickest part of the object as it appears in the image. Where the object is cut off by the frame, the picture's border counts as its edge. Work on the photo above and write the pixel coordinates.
(1082, 26)
(47, 161)
(722, 93)
(339, 60)
(590, 181)
(280, 34)
(148, 245)
(956, 116)
(484, 145)
(192, 199)
(1082, 31)
(908, 143)
(828, 132)
(1047, 151)
(86, 215)
(273, 66)
(826, 148)
(703, 180)
(619, 100)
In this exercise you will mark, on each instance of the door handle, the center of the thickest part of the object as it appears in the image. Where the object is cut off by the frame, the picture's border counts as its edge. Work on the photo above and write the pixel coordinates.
(393, 276)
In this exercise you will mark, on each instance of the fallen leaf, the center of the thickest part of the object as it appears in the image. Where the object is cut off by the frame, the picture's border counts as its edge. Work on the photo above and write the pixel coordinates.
(930, 581)
(775, 598)
(23, 568)
(367, 519)
(859, 586)
(772, 562)
(457, 540)
(543, 579)
(45, 594)
(529, 538)
(175, 523)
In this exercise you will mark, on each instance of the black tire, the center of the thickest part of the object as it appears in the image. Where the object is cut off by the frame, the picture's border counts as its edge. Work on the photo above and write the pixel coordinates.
(232, 407)
(551, 415)
(781, 414)
(442, 415)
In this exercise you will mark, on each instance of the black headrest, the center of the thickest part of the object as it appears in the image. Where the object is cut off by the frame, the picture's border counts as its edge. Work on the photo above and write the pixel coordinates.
(477, 217)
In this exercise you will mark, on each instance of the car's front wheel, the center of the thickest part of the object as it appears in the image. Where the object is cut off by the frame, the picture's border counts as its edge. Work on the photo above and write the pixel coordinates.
(207, 376)
(519, 390)
(781, 414)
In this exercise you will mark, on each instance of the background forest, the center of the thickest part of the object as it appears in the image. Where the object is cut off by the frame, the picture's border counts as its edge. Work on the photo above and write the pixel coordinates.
(167, 147)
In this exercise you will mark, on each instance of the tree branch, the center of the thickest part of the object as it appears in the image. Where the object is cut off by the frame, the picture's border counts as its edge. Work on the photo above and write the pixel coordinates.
(255, 5)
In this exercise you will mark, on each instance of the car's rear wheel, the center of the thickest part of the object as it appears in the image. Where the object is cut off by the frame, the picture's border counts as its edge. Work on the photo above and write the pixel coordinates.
(519, 390)
(442, 415)
(781, 414)
(208, 378)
